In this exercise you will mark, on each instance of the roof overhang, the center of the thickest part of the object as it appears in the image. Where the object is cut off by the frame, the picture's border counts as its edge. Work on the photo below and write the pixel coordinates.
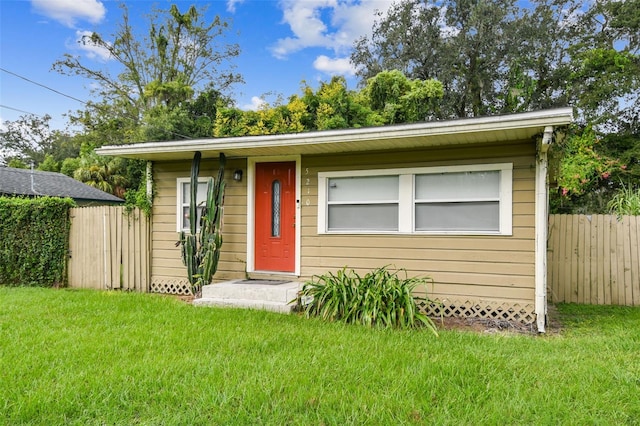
(469, 131)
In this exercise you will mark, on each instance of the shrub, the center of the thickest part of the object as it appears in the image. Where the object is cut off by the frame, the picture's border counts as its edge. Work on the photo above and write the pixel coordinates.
(380, 298)
(625, 202)
(35, 240)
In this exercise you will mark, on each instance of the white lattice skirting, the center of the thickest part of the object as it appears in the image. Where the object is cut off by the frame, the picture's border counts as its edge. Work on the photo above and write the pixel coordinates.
(170, 286)
(504, 311)
(521, 313)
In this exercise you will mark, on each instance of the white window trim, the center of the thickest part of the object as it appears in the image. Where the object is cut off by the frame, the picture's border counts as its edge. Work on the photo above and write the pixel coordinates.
(407, 192)
(179, 205)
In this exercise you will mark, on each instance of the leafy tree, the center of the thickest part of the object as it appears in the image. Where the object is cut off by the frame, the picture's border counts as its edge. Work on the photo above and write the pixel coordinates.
(105, 173)
(170, 79)
(388, 98)
(49, 164)
(267, 120)
(334, 106)
(401, 100)
(165, 123)
(500, 56)
(203, 109)
(17, 164)
(163, 66)
(29, 139)
(464, 44)
(581, 166)
(537, 67)
(593, 169)
(626, 148)
(605, 68)
(190, 119)
(69, 166)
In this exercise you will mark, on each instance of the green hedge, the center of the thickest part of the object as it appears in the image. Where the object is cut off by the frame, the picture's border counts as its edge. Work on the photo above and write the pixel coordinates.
(34, 241)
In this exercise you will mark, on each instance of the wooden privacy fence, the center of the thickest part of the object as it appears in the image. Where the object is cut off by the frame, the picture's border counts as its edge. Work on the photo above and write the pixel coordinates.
(109, 249)
(594, 259)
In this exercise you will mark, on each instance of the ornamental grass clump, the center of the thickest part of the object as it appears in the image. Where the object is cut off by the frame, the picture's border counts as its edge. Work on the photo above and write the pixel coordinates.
(381, 298)
(625, 202)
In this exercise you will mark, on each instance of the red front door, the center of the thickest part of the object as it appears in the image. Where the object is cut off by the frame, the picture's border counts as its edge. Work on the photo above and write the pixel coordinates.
(275, 217)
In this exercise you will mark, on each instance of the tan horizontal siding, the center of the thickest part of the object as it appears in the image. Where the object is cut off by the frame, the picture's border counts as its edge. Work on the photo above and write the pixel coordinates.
(461, 292)
(166, 264)
(502, 269)
(440, 242)
(413, 253)
(483, 267)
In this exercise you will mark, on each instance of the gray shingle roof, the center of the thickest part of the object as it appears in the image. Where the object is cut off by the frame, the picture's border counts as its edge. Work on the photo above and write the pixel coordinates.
(34, 183)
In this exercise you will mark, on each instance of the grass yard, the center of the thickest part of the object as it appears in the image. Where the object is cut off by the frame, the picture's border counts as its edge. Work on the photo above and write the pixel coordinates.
(94, 358)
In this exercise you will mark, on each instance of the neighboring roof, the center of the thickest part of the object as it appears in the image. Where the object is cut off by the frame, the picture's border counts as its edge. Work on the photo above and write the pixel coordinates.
(468, 131)
(33, 183)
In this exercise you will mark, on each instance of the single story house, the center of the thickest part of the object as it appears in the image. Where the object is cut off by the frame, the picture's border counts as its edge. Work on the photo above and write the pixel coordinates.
(35, 183)
(462, 201)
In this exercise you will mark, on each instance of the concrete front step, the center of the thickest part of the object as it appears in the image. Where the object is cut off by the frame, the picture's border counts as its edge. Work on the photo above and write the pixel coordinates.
(262, 305)
(251, 294)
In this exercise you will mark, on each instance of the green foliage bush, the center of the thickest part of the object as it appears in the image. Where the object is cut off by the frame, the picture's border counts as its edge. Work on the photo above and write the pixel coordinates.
(625, 202)
(35, 240)
(379, 298)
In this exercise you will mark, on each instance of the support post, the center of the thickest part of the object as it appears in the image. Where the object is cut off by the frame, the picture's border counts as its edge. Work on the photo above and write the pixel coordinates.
(542, 225)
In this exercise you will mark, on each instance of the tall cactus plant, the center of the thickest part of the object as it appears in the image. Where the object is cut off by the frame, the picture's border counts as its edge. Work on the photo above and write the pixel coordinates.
(201, 251)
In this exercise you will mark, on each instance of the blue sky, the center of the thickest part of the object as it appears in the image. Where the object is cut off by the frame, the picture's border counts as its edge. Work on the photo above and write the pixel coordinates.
(282, 43)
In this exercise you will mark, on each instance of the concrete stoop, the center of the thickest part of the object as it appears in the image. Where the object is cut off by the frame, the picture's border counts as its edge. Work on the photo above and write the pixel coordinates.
(245, 294)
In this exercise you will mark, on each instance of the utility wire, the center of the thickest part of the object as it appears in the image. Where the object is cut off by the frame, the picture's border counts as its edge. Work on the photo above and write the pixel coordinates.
(20, 110)
(63, 94)
(42, 85)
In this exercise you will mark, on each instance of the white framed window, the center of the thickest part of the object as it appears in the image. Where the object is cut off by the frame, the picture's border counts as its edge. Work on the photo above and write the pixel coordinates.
(183, 198)
(473, 199)
(367, 203)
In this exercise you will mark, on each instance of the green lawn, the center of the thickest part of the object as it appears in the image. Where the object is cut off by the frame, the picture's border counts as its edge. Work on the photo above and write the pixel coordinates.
(89, 358)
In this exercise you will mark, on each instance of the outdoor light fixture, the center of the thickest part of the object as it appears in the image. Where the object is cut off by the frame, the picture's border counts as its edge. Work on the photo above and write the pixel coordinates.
(237, 175)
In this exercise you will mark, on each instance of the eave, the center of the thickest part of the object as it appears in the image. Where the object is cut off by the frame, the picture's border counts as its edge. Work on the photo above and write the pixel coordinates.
(470, 131)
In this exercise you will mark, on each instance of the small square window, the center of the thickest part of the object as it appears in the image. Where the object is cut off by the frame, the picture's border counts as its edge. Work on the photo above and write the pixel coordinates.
(184, 199)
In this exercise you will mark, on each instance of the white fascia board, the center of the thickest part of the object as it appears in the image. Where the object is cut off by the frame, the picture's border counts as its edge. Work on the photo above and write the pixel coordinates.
(535, 119)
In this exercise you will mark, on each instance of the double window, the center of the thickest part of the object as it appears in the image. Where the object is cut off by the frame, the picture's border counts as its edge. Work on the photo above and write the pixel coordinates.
(184, 200)
(472, 199)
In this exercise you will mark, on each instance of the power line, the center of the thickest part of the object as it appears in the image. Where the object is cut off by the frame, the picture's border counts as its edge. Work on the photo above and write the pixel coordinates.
(63, 94)
(19, 110)
(42, 85)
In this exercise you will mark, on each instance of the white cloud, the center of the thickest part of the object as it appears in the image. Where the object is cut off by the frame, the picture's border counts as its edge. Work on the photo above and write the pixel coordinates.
(231, 5)
(330, 24)
(67, 12)
(337, 66)
(90, 49)
(256, 103)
